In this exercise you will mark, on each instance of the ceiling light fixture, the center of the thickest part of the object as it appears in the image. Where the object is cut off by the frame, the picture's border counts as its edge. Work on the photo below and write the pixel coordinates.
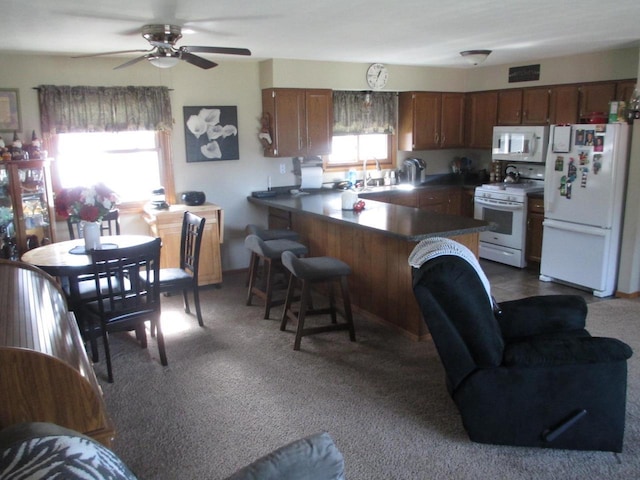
(164, 61)
(475, 57)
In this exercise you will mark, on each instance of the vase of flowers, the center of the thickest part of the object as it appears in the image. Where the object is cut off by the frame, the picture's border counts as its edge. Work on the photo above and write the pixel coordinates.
(88, 206)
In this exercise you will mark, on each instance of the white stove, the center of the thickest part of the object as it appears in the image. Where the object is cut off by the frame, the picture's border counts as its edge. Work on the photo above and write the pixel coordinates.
(505, 206)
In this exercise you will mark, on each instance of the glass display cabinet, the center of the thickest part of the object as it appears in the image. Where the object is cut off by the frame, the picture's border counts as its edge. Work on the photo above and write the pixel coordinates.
(26, 206)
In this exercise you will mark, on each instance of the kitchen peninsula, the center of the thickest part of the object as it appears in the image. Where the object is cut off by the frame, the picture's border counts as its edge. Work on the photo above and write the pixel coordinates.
(375, 242)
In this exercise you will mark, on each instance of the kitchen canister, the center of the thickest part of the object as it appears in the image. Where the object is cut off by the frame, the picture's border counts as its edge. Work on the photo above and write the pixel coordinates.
(349, 198)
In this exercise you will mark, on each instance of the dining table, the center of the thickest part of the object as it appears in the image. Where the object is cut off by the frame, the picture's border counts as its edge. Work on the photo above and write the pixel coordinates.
(69, 260)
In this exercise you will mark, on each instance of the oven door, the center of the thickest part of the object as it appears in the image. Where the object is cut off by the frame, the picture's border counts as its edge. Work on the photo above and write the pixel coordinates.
(509, 219)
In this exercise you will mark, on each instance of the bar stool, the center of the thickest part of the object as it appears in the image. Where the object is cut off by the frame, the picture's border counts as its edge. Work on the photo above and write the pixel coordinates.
(316, 270)
(272, 233)
(270, 252)
(269, 234)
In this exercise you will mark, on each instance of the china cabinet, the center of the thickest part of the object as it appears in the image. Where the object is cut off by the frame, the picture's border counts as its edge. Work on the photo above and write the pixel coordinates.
(26, 206)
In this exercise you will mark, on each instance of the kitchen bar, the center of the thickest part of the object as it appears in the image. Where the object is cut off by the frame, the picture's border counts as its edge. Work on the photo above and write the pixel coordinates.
(375, 242)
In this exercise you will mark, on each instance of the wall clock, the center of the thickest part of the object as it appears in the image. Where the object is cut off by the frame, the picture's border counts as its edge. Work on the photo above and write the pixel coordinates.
(377, 76)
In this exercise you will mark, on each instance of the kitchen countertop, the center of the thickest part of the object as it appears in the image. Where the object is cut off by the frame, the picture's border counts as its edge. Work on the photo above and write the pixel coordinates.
(408, 223)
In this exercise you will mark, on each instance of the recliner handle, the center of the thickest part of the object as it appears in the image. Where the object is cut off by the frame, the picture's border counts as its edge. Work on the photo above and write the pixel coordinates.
(552, 434)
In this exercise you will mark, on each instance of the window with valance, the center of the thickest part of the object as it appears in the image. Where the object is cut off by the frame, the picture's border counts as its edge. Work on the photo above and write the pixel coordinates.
(66, 109)
(95, 125)
(361, 113)
(363, 129)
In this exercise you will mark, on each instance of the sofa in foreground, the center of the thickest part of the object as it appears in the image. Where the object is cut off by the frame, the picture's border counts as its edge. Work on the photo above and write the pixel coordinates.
(39, 450)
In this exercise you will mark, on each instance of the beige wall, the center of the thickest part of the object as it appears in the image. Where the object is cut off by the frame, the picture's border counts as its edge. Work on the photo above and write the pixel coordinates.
(238, 82)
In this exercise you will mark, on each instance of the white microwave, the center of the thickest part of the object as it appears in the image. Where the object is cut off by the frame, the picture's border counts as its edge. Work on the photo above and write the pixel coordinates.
(520, 144)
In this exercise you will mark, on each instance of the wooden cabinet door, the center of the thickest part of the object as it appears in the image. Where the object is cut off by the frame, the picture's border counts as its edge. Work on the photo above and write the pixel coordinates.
(426, 120)
(433, 200)
(595, 98)
(418, 120)
(535, 106)
(466, 202)
(535, 217)
(481, 114)
(452, 120)
(563, 104)
(510, 107)
(288, 114)
(624, 90)
(454, 204)
(319, 122)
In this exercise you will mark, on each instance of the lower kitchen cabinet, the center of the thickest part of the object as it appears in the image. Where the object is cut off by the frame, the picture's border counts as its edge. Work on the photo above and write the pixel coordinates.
(432, 199)
(167, 224)
(466, 202)
(535, 217)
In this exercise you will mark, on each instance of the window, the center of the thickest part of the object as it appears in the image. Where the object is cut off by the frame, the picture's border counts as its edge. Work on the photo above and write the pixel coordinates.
(350, 150)
(131, 163)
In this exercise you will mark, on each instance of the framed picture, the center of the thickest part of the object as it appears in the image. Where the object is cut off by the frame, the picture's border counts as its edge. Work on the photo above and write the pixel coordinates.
(211, 133)
(9, 110)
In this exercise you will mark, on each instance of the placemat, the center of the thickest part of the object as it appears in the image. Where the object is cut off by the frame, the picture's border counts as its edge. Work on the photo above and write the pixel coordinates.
(80, 250)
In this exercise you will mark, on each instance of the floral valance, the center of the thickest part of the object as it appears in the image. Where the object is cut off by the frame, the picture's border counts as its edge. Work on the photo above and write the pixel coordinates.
(66, 109)
(357, 113)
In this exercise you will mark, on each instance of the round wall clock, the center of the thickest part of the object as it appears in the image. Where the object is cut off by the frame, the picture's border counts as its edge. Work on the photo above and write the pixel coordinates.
(377, 76)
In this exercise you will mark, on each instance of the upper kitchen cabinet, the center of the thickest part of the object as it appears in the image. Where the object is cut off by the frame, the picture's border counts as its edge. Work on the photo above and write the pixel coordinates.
(430, 120)
(526, 106)
(624, 89)
(300, 121)
(563, 104)
(481, 116)
(595, 97)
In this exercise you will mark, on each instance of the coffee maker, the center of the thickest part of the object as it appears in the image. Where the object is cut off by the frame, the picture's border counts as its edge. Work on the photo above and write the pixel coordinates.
(413, 171)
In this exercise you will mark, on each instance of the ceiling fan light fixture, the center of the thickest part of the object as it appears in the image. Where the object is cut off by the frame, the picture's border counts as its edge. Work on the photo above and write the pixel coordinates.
(475, 57)
(164, 61)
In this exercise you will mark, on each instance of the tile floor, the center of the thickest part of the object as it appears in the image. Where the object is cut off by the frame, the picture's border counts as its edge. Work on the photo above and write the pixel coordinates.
(510, 283)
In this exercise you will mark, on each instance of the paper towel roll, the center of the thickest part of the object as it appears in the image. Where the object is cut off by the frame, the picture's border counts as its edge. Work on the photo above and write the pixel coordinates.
(311, 177)
(349, 197)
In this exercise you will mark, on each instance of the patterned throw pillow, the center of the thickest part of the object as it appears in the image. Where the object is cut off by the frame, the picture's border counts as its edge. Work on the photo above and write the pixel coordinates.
(61, 456)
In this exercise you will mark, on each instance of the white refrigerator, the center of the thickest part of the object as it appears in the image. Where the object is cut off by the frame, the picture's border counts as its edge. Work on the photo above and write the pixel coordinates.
(584, 192)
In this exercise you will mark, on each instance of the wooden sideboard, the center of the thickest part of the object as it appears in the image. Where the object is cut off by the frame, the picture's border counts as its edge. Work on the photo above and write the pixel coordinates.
(45, 375)
(167, 224)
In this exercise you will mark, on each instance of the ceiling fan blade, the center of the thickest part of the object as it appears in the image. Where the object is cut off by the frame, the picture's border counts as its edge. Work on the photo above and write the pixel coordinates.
(223, 50)
(131, 62)
(197, 61)
(112, 53)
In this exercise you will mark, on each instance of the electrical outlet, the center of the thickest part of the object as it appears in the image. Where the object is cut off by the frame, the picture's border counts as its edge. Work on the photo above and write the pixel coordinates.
(283, 168)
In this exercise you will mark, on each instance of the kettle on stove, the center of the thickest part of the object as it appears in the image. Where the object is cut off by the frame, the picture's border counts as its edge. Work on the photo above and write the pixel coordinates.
(511, 174)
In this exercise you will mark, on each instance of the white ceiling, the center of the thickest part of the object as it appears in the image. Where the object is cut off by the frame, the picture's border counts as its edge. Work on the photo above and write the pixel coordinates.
(404, 32)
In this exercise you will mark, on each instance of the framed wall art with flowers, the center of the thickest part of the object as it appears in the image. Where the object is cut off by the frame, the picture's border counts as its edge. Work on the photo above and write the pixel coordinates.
(211, 133)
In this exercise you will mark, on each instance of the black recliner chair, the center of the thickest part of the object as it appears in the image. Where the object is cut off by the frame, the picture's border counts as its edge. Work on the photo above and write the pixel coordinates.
(524, 372)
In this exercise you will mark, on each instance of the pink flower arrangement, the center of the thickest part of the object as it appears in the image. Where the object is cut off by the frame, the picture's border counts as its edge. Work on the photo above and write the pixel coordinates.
(85, 204)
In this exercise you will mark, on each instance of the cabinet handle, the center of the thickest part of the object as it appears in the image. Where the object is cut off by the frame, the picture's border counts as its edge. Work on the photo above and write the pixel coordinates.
(436, 137)
(443, 140)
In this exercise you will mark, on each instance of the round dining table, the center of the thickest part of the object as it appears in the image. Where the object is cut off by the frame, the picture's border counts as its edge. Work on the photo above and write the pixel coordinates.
(69, 259)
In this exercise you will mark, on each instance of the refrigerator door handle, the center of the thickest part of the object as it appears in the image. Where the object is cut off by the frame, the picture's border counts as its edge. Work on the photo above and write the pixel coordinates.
(572, 227)
(551, 189)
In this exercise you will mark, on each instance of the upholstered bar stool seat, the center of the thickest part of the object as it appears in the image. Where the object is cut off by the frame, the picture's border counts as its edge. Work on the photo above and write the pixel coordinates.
(270, 252)
(270, 234)
(312, 270)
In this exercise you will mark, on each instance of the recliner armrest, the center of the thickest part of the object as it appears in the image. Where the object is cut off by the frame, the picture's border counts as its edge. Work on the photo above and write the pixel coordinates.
(541, 315)
(565, 351)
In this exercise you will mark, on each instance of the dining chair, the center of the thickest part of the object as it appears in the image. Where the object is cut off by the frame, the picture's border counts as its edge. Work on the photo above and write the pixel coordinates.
(127, 294)
(185, 277)
(110, 225)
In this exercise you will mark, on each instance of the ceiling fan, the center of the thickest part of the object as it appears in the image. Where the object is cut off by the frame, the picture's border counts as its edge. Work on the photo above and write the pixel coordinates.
(165, 54)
